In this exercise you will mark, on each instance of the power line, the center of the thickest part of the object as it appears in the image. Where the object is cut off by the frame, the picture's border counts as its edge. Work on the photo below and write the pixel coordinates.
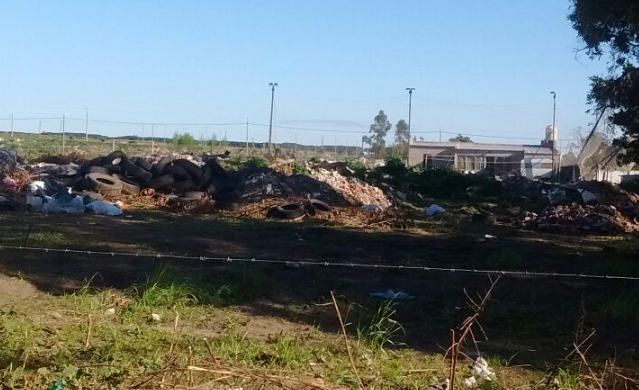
(299, 263)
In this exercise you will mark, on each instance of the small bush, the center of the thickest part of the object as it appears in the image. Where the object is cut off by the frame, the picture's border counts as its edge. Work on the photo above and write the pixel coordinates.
(301, 169)
(255, 163)
(183, 139)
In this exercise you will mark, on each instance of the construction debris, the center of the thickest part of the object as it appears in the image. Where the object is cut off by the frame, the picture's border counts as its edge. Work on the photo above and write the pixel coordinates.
(588, 207)
(354, 190)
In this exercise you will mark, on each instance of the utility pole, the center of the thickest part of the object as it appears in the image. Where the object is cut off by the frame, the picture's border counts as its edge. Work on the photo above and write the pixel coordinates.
(152, 139)
(247, 135)
(11, 125)
(270, 124)
(296, 142)
(440, 135)
(410, 107)
(40, 126)
(63, 130)
(164, 134)
(554, 111)
(86, 124)
(335, 148)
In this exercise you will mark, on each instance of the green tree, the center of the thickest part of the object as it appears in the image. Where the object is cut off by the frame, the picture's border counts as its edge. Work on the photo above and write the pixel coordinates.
(461, 138)
(378, 131)
(401, 138)
(612, 27)
(183, 139)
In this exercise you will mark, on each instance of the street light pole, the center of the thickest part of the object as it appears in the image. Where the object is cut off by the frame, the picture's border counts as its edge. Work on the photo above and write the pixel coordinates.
(270, 124)
(410, 109)
(554, 112)
(63, 131)
(86, 125)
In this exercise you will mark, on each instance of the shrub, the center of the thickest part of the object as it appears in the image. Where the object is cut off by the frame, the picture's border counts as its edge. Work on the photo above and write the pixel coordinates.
(183, 139)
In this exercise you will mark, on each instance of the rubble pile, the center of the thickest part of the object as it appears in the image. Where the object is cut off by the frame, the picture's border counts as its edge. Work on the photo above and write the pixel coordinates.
(273, 184)
(520, 186)
(352, 189)
(589, 207)
(580, 219)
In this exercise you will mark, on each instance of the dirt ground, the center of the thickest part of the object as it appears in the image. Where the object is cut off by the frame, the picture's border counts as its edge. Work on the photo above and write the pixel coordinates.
(531, 319)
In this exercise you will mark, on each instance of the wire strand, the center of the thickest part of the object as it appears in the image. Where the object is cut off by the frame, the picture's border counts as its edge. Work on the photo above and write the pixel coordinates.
(298, 263)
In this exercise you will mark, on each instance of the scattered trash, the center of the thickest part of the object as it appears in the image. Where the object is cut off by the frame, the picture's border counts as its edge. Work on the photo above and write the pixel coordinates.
(59, 385)
(470, 382)
(372, 207)
(489, 237)
(390, 294)
(482, 371)
(103, 208)
(155, 317)
(434, 209)
(109, 312)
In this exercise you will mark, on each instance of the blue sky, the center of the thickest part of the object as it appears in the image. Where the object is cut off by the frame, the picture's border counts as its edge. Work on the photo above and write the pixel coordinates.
(482, 68)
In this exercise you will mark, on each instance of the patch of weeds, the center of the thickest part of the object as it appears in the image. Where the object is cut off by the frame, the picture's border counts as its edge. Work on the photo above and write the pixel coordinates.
(255, 162)
(51, 237)
(301, 169)
(167, 291)
(622, 308)
(567, 379)
(237, 348)
(382, 328)
(289, 353)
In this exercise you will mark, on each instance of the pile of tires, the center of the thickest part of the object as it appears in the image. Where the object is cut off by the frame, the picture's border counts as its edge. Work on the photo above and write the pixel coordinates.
(294, 210)
(117, 174)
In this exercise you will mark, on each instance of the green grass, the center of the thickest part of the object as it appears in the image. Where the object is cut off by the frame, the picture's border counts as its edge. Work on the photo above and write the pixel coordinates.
(383, 328)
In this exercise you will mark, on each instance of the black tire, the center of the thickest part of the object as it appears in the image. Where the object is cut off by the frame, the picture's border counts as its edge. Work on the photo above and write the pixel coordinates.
(177, 171)
(104, 184)
(212, 187)
(113, 169)
(133, 170)
(205, 179)
(320, 207)
(98, 169)
(200, 195)
(113, 156)
(191, 168)
(160, 182)
(183, 186)
(289, 211)
(129, 186)
(98, 161)
(218, 171)
(486, 218)
(142, 163)
(158, 167)
(226, 194)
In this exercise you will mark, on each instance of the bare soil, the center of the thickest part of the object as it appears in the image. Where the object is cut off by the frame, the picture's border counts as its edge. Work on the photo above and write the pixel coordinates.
(530, 319)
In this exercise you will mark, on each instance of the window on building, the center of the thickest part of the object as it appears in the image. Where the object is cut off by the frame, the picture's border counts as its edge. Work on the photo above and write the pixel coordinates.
(471, 163)
(428, 161)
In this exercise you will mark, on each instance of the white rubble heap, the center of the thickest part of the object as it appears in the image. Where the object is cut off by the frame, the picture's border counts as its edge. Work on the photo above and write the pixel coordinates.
(353, 189)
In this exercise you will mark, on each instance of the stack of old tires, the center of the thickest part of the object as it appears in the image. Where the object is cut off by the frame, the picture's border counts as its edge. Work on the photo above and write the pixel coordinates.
(189, 183)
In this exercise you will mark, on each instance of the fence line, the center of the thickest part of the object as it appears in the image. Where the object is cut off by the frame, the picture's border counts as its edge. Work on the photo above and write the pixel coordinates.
(299, 263)
(414, 131)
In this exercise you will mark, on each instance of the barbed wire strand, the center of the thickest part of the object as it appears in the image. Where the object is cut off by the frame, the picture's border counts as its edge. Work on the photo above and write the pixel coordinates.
(297, 263)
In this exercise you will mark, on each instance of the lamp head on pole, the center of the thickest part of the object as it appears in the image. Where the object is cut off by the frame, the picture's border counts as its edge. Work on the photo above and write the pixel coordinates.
(272, 85)
(410, 90)
(554, 95)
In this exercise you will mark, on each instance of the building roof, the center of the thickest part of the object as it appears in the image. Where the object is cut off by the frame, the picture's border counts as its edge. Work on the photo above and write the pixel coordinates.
(527, 149)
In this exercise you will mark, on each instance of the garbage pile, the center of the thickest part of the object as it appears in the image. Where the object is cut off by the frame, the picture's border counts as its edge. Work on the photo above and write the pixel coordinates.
(586, 208)
(267, 183)
(100, 185)
(354, 190)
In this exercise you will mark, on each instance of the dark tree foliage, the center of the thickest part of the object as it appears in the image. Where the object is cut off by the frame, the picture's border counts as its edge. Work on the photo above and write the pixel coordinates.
(460, 138)
(612, 27)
